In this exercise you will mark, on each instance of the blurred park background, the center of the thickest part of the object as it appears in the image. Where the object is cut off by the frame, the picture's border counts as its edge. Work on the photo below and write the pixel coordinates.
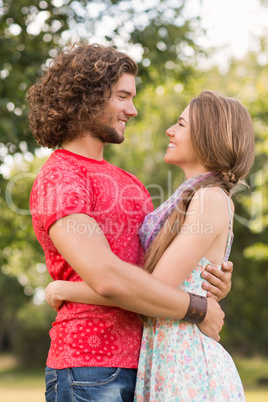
(177, 59)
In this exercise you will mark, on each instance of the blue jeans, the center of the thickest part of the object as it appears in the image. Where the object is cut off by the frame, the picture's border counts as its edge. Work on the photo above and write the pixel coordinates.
(90, 384)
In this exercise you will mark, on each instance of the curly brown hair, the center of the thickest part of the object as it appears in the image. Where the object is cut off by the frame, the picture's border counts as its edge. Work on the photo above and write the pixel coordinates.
(72, 90)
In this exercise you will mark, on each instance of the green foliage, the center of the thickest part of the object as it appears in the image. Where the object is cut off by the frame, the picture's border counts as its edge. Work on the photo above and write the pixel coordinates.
(22, 256)
(11, 298)
(30, 34)
(23, 272)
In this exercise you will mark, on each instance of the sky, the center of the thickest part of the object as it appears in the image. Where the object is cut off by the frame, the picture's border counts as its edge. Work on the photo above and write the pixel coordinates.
(231, 23)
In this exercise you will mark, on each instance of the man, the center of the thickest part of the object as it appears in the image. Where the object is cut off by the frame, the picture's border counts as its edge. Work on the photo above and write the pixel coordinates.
(86, 215)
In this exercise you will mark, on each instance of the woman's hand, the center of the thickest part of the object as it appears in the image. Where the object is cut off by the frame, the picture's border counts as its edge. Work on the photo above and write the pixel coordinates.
(219, 280)
(58, 292)
(53, 295)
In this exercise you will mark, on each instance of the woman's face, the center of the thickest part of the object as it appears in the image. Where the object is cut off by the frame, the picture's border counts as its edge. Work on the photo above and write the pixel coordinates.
(180, 152)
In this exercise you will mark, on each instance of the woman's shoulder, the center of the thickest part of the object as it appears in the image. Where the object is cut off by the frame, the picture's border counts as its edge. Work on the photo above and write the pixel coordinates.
(213, 198)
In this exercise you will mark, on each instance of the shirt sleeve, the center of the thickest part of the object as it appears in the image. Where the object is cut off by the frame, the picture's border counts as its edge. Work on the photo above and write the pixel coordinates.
(58, 193)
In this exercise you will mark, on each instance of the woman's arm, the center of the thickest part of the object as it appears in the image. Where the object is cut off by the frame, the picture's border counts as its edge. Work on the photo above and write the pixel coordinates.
(204, 234)
(79, 292)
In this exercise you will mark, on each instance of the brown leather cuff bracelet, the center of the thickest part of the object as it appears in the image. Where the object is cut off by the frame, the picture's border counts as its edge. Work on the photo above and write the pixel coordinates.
(197, 309)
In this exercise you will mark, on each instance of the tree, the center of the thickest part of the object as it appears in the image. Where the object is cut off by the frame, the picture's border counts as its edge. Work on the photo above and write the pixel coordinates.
(34, 31)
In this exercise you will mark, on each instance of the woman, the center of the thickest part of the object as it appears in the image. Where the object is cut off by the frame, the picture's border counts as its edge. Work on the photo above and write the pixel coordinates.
(213, 142)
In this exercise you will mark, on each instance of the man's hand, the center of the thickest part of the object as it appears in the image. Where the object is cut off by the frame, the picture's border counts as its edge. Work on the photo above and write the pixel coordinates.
(52, 295)
(219, 280)
(213, 322)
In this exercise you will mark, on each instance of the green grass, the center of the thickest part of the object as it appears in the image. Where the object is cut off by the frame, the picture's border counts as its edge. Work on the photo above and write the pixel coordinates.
(25, 385)
(13, 375)
(22, 378)
(253, 372)
(17, 384)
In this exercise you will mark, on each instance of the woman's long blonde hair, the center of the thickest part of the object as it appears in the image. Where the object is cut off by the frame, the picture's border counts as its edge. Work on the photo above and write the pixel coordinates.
(222, 138)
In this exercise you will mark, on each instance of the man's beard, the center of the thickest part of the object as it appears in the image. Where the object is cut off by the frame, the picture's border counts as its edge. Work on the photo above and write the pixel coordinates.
(104, 133)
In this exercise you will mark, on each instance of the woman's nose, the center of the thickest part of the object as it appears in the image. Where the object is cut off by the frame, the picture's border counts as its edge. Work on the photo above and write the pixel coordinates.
(170, 131)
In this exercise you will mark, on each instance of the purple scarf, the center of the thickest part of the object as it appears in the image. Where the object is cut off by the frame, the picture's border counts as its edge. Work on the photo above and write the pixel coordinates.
(154, 221)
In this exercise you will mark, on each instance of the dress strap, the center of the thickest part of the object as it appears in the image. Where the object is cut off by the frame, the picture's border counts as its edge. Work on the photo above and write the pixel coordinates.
(229, 207)
(230, 231)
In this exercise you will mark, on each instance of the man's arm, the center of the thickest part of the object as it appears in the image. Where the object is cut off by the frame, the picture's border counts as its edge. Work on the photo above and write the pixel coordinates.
(123, 284)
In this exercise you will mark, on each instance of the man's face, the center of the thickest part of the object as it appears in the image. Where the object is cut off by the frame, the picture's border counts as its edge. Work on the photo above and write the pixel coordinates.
(109, 126)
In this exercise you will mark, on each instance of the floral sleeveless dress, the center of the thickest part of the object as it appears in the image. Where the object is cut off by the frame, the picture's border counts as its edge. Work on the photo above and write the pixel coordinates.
(179, 363)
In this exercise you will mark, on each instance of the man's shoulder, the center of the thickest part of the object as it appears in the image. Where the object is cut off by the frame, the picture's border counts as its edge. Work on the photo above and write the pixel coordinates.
(58, 174)
(131, 176)
(60, 163)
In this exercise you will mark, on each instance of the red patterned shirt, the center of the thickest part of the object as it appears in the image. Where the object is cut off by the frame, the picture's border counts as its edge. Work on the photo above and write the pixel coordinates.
(87, 335)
